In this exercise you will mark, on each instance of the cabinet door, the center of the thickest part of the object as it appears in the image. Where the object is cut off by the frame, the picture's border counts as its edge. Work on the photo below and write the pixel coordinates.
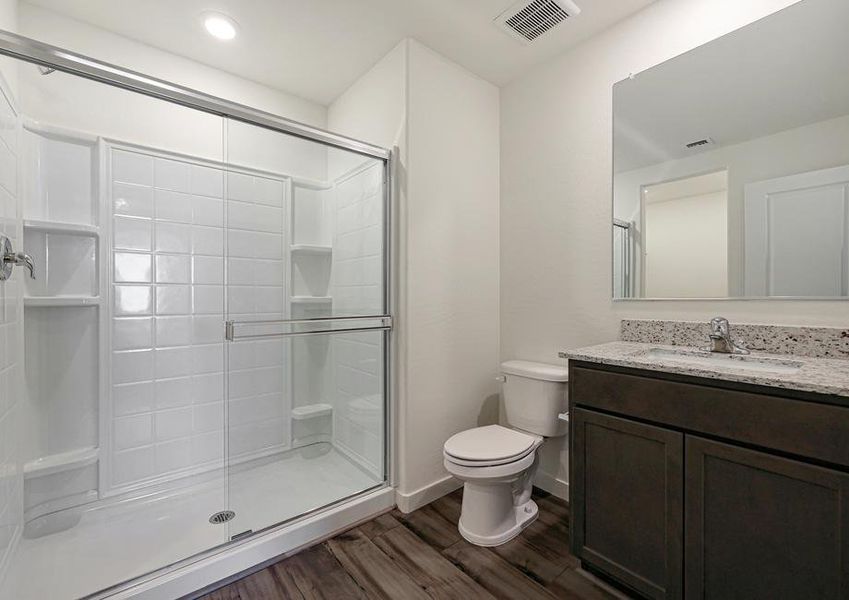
(763, 526)
(627, 494)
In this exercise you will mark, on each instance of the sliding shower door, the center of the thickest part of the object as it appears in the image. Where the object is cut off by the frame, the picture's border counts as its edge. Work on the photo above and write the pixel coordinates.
(112, 439)
(198, 350)
(307, 325)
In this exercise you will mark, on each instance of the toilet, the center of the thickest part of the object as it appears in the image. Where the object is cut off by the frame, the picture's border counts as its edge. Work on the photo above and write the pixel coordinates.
(497, 464)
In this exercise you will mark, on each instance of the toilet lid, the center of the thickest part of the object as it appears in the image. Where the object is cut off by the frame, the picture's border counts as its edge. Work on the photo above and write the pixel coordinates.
(490, 443)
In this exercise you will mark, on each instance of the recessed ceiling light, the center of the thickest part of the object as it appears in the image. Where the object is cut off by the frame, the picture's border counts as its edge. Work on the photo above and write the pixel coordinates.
(219, 26)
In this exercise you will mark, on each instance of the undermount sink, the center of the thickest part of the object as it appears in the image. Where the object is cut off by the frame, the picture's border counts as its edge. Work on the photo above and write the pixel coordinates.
(739, 362)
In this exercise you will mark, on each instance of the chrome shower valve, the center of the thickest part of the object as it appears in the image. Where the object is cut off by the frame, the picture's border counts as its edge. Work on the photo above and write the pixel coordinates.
(12, 259)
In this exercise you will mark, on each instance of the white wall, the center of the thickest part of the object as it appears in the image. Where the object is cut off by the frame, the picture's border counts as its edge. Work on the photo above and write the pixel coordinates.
(556, 193)
(452, 273)
(445, 121)
(373, 109)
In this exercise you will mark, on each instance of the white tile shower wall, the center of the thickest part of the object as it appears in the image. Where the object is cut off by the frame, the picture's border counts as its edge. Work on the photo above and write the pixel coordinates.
(358, 242)
(260, 406)
(11, 481)
(168, 313)
(357, 290)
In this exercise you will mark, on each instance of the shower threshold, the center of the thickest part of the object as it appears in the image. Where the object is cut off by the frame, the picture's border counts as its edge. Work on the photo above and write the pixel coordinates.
(114, 543)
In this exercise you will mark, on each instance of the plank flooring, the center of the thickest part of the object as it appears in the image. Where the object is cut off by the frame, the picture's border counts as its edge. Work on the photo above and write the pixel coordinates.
(421, 556)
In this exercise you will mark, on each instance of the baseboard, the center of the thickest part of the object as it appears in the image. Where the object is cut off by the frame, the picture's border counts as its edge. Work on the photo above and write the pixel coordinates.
(407, 503)
(553, 485)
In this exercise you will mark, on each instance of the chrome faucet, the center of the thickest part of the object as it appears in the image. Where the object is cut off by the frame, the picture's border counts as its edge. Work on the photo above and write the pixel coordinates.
(9, 258)
(721, 340)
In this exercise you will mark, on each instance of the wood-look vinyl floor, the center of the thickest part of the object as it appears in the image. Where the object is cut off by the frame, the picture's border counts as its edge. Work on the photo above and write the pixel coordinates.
(422, 556)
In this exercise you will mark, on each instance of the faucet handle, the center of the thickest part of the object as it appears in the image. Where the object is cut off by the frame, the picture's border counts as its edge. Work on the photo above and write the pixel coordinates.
(720, 326)
(10, 259)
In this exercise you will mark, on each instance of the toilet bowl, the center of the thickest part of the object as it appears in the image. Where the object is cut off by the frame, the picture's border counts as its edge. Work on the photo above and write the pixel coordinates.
(497, 464)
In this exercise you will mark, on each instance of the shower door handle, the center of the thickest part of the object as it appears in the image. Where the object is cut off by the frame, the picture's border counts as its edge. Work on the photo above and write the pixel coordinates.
(12, 259)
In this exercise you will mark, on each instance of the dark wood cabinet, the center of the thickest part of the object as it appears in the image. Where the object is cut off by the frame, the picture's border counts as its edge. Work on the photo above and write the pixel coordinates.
(630, 523)
(760, 526)
(690, 488)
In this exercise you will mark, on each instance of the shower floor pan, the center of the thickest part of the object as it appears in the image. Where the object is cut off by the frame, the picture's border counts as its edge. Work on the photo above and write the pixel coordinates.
(116, 542)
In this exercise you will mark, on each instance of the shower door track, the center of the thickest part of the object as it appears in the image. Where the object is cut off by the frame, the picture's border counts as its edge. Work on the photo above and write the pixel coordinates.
(53, 57)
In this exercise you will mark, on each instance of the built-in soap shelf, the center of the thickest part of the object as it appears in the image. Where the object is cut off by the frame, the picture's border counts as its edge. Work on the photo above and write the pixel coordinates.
(311, 411)
(63, 219)
(311, 250)
(61, 462)
(76, 229)
(57, 301)
(308, 300)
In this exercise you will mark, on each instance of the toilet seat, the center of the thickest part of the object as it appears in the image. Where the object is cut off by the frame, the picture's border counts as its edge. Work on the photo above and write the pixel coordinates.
(489, 446)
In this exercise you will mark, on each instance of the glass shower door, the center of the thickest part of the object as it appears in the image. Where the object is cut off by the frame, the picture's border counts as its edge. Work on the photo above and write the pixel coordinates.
(306, 325)
(112, 432)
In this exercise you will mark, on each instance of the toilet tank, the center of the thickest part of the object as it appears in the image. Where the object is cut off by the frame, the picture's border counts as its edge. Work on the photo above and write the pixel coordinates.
(534, 396)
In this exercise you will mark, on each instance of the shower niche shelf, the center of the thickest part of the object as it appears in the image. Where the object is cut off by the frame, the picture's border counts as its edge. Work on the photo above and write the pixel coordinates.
(311, 250)
(60, 176)
(312, 300)
(66, 263)
(311, 411)
(70, 229)
(60, 193)
(60, 301)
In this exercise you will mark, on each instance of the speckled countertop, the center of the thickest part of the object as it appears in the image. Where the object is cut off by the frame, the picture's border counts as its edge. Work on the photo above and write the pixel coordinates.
(818, 375)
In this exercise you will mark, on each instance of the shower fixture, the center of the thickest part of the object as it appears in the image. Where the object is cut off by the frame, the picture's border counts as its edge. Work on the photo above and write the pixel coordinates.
(13, 259)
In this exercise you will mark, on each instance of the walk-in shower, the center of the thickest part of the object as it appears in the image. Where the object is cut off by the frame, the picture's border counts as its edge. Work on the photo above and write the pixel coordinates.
(202, 355)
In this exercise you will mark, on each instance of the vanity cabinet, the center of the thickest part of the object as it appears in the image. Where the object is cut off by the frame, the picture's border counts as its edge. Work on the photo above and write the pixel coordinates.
(763, 526)
(630, 476)
(684, 487)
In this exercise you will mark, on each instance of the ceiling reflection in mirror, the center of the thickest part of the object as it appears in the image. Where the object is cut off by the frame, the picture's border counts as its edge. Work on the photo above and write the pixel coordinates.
(731, 165)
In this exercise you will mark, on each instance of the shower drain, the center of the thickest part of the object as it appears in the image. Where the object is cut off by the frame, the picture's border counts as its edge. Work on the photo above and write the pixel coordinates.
(222, 517)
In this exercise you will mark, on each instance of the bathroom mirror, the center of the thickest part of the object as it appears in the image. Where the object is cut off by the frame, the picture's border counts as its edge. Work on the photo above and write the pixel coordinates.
(731, 165)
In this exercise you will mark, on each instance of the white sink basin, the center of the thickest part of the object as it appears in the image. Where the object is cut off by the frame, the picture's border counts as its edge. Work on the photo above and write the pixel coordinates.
(738, 362)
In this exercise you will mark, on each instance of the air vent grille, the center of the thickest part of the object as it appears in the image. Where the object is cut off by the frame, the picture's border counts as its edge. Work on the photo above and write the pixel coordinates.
(529, 20)
(702, 142)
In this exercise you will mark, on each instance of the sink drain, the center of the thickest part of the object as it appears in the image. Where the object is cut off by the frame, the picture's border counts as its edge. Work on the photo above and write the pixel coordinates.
(222, 517)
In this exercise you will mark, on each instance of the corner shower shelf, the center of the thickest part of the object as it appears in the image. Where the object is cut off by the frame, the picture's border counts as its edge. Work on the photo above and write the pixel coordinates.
(50, 301)
(63, 228)
(310, 411)
(311, 249)
(311, 300)
(63, 461)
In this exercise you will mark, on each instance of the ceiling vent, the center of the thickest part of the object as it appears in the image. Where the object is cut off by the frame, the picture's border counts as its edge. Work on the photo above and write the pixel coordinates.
(526, 21)
(700, 143)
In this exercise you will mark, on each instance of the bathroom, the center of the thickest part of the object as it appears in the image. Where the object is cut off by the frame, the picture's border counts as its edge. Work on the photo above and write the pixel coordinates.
(424, 299)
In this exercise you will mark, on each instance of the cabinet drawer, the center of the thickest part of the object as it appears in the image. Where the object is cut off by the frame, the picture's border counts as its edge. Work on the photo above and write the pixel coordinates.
(809, 429)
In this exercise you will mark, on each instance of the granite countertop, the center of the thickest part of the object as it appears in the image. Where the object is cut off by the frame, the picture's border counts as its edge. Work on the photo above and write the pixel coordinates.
(819, 375)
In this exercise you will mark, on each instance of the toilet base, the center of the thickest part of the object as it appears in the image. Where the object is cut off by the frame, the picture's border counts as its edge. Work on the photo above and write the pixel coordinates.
(525, 514)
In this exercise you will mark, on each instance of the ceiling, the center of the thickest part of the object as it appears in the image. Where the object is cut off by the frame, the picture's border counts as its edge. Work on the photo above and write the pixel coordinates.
(317, 48)
(751, 83)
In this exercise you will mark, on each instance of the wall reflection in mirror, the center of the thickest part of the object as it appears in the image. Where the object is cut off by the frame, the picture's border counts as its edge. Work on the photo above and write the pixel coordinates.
(731, 165)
